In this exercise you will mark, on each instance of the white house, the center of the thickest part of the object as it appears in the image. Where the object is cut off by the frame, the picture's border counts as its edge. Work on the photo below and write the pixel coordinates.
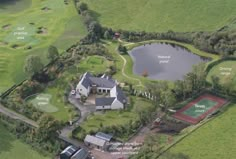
(103, 84)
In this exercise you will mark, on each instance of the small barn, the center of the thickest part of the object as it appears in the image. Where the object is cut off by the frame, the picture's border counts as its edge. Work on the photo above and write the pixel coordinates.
(68, 152)
(81, 154)
(95, 142)
(103, 136)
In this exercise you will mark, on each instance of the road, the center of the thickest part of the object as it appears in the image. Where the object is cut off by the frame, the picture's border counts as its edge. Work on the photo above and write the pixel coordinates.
(66, 132)
(17, 116)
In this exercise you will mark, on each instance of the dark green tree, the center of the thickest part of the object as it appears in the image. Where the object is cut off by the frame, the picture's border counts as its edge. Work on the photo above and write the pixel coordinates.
(33, 65)
(52, 53)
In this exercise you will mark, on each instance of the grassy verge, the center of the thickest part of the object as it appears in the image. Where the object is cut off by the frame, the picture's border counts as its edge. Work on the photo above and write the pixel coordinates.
(10, 147)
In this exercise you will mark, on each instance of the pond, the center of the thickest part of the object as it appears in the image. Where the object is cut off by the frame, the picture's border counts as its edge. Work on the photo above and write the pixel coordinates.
(163, 61)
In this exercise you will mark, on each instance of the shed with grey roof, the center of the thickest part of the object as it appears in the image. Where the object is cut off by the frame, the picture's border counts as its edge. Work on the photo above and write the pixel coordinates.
(68, 152)
(106, 137)
(95, 142)
(81, 154)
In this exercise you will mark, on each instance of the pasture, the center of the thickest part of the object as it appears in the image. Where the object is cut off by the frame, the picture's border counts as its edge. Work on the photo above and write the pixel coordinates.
(31, 30)
(164, 15)
(10, 147)
(226, 71)
(215, 139)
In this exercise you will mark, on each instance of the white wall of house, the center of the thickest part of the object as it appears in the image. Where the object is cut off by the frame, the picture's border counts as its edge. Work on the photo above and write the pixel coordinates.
(117, 105)
(82, 90)
(103, 107)
(113, 92)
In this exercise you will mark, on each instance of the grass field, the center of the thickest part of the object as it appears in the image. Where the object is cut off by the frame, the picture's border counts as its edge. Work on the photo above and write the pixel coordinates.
(37, 25)
(225, 71)
(11, 148)
(110, 118)
(214, 140)
(164, 15)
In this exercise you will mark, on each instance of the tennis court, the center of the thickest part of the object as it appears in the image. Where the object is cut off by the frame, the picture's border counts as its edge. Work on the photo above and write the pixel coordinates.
(199, 108)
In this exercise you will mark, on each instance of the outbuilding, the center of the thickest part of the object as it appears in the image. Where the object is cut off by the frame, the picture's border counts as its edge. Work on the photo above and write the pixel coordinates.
(95, 142)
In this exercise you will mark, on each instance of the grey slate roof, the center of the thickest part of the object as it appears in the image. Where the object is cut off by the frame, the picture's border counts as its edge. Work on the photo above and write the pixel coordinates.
(102, 82)
(81, 154)
(69, 151)
(88, 80)
(104, 101)
(94, 140)
(104, 136)
(120, 95)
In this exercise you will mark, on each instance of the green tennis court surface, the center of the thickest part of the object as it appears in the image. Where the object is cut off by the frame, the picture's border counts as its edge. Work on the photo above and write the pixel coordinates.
(200, 107)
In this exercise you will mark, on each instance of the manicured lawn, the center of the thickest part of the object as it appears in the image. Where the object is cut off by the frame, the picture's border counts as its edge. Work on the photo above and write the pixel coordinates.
(225, 71)
(61, 30)
(43, 103)
(110, 118)
(216, 139)
(94, 64)
(164, 15)
(11, 148)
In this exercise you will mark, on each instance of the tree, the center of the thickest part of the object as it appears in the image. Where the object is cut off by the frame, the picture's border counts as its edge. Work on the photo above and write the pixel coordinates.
(108, 35)
(48, 128)
(122, 49)
(82, 7)
(33, 65)
(52, 53)
(215, 82)
(168, 99)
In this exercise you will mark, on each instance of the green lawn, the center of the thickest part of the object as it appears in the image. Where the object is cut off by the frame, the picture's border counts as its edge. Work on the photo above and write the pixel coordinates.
(61, 30)
(11, 148)
(225, 71)
(214, 140)
(43, 103)
(110, 118)
(94, 64)
(164, 15)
